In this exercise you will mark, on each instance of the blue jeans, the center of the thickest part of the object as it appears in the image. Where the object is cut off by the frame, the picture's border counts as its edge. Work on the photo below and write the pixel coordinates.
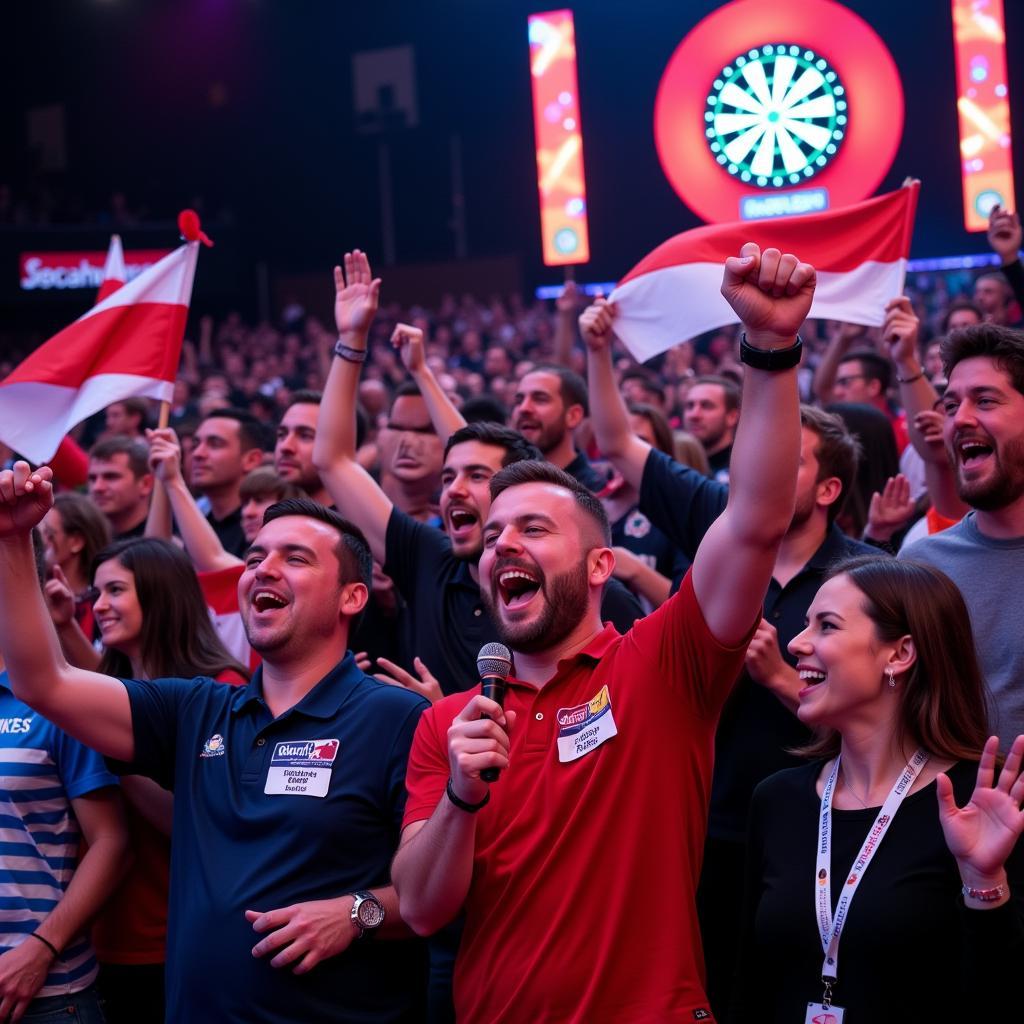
(79, 1008)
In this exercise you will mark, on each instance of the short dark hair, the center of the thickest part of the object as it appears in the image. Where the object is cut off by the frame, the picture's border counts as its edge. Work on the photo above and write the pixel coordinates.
(251, 433)
(483, 409)
(572, 388)
(136, 450)
(648, 381)
(729, 387)
(837, 451)
(517, 448)
(663, 439)
(540, 471)
(264, 481)
(306, 396)
(956, 306)
(407, 389)
(354, 556)
(872, 365)
(137, 406)
(1003, 345)
(39, 555)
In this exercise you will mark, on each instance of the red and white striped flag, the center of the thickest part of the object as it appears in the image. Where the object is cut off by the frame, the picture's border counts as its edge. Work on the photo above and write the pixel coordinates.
(860, 253)
(114, 273)
(128, 344)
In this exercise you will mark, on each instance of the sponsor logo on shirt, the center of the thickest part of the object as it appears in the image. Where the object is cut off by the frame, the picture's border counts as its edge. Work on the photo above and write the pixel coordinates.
(637, 525)
(214, 746)
(305, 753)
(10, 725)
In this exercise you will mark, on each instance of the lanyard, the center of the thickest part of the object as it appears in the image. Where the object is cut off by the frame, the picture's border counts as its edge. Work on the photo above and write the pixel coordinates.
(831, 928)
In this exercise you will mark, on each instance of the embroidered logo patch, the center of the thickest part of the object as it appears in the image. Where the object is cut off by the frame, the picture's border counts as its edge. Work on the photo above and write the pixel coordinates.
(214, 746)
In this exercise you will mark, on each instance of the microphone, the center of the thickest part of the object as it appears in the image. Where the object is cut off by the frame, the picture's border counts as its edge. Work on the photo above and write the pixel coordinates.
(494, 665)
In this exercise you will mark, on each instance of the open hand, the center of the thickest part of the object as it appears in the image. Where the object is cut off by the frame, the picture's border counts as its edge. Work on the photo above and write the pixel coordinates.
(981, 835)
(596, 323)
(25, 497)
(891, 508)
(356, 296)
(770, 292)
(304, 933)
(426, 686)
(23, 970)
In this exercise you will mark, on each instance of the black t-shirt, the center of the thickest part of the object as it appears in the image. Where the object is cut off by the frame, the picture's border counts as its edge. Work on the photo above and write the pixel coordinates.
(755, 729)
(229, 532)
(635, 532)
(910, 952)
(719, 465)
(586, 473)
(445, 622)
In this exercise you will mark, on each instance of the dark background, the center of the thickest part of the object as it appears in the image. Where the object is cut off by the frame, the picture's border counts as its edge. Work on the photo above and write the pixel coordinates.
(248, 103)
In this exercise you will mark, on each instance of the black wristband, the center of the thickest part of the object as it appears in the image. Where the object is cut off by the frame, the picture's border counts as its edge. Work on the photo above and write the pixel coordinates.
(770, 359)
(348, 353)
(50, 946)
(461, 804)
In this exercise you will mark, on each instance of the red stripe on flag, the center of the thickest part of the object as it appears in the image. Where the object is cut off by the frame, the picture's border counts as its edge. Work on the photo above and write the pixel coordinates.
(838, 240)
(140, 339)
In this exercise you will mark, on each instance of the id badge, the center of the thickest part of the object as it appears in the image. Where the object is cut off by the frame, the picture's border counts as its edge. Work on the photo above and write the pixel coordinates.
(817, 1014)
(301, 768)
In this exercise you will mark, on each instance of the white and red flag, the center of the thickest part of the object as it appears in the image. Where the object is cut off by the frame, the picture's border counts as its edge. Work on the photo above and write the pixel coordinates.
(860, 253)
(114, 273)
(126, 345)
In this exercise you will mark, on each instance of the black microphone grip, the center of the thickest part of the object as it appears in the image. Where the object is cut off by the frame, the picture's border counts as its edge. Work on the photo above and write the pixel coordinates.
(493, 688)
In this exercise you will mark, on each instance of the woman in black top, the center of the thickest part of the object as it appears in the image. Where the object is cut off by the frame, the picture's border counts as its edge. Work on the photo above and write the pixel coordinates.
(936, 931)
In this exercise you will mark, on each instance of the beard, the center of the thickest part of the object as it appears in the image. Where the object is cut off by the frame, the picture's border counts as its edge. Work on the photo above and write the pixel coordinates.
(565, 604)
(803, 510)
(1003, 486)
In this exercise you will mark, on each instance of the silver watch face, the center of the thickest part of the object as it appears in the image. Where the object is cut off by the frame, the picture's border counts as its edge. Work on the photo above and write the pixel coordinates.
(370, 913)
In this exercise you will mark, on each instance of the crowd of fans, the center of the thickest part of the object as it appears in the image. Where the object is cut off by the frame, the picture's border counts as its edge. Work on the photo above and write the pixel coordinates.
(329, 510)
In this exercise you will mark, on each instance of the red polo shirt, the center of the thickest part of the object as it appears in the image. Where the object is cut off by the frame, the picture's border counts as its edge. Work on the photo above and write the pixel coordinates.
(581, 907)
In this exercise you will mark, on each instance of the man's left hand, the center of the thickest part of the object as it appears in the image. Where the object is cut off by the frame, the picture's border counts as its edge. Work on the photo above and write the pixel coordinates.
(304, 932)
(22, 973)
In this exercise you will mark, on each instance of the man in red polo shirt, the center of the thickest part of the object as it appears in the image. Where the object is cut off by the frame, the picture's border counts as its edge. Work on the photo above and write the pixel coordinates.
(578, 869)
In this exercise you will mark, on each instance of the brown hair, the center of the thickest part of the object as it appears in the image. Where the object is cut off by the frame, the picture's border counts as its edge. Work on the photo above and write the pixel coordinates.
(730, 389)
(688, 451)
(538, 471)
(659, 425)
(80, 517)
(137, 452)
(1003, 345)
(837, 451)
(942, 695)
(265, 482)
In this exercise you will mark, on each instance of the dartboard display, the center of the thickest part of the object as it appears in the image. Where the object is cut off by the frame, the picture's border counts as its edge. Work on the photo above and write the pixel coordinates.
(776, 115)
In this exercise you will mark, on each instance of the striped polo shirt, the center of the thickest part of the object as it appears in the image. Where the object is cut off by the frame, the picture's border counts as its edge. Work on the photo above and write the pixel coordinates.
(42, 770)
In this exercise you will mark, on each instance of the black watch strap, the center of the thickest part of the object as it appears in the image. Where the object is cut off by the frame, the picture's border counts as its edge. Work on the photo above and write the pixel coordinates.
(461, 804)
(770, 359)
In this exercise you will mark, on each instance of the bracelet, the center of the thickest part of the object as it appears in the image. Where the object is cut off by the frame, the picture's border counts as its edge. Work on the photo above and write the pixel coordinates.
(909, 380)
(984, 895)
(47, 943)
(348, 353)
(461, 804)
(770, 359)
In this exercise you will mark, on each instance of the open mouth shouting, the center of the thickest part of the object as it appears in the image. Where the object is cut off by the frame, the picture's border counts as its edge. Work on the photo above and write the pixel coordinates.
(972, 452)
(264, 600)
(516, 585)
(461, 522)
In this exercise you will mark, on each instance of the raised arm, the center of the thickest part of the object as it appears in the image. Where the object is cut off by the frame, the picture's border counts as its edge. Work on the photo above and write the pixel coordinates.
(201, 541)
(838, 345)
(444, 417)
(626, 452)
(771, 293)
(565, 329)
(91, 707)
(355, 493)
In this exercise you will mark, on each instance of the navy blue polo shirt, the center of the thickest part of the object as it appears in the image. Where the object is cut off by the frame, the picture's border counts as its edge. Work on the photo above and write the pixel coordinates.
(250, 835)
(755, 730)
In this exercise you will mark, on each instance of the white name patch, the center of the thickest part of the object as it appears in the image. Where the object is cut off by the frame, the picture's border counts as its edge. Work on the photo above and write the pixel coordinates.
(585, 727)
(301, 768)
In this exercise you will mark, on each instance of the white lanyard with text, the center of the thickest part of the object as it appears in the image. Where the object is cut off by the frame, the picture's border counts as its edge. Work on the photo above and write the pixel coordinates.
(831, 928)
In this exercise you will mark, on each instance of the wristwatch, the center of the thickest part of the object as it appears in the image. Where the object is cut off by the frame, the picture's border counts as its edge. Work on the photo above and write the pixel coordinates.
(367, 913)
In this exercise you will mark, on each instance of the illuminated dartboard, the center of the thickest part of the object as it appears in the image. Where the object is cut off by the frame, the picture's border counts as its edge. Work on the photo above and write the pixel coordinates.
(776, 115)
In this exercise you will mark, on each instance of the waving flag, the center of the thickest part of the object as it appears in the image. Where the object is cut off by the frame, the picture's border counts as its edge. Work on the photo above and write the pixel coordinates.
(860, 253)
(114, 272)
(127, 344)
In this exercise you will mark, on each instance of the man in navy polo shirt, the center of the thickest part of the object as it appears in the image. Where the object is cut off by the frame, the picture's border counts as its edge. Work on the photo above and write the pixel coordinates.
(289, 792)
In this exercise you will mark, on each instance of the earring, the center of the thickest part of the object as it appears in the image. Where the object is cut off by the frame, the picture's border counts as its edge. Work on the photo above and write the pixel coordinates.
(891, 677)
